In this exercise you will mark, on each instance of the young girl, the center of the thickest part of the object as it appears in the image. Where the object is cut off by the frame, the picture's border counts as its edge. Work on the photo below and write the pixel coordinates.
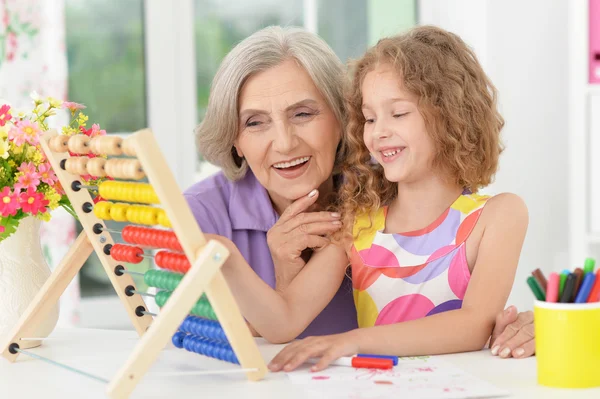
(432, 261)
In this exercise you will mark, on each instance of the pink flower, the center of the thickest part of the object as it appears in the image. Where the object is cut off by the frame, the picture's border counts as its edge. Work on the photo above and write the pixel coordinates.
(93, 132)
(47, 174)
(1, 229)
(5, 20)
(9, 203)
(96, 131)
(25, 131)
(27, 167)
(33, 202)
(5, 115)
(11, 41)
(73, 107)
(28, 180)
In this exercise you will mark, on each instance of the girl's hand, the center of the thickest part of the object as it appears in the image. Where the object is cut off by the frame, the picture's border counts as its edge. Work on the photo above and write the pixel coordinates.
(296, 230)
(328, 348)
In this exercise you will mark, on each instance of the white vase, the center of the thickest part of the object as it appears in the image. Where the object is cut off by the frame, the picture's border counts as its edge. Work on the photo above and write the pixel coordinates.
(23, 271)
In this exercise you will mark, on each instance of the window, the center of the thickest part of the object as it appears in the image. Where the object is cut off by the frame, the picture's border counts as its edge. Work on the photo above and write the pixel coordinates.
(105, 51)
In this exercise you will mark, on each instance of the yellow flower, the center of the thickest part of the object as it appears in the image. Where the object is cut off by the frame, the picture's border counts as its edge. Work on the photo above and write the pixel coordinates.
(53, 197)
(4, 149)
(16, 149)
(38, 158)
(4, 131)
(34, 154)
(55, 103)
(45, 217)
(11, 163)
(82, 119)
(68, 130)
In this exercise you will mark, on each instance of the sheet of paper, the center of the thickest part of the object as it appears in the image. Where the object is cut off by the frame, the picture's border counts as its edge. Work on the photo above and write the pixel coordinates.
(418, 377)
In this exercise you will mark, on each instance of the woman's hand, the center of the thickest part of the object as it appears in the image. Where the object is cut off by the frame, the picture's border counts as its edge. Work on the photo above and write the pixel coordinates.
(295, 231)
(327, 347)
(513, 334)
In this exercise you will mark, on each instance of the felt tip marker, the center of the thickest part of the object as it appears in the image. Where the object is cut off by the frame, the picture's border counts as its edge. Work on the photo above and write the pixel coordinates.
(586, 288)
(393, 358)
(360, 362)
(552, 294)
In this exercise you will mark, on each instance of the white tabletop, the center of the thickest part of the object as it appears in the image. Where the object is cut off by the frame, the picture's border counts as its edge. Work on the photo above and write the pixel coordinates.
(102, 352)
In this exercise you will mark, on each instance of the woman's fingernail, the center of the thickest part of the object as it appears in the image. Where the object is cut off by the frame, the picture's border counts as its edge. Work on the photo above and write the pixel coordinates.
(335, 215)
(505, 352)
(312, 193)
(519, 352)
(273, 367)
(336, 222)
(313, 368)
(495, 350)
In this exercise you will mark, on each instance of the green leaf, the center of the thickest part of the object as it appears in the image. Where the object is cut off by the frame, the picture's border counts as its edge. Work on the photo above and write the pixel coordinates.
(10, 224)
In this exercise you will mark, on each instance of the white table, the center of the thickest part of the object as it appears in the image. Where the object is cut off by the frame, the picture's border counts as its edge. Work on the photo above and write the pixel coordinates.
(102, 352)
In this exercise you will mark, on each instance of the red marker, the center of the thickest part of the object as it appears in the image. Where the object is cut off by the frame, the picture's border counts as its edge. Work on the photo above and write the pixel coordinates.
(553, 288)
(360, 362)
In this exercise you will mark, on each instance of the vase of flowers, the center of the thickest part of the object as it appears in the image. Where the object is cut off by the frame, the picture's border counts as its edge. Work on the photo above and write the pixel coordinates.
(29, 191)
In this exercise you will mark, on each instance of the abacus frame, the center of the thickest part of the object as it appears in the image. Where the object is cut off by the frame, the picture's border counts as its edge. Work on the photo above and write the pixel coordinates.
(204, 276)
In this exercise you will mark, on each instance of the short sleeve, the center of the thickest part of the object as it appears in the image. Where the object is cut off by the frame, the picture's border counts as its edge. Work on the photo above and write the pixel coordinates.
(211, 213)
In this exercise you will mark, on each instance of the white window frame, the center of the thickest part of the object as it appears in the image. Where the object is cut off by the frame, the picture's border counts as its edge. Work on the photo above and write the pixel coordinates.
(171, 83)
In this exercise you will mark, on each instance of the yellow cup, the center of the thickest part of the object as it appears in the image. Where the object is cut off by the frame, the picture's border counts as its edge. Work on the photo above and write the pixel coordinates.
(567, 344)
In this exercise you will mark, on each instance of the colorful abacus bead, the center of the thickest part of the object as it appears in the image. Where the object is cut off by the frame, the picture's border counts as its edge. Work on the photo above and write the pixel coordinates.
(140, 214)
(172, 261)
(210, 329)
(177, 339)
(95, 167)
(162, 219)
(202, 308)
(78, 144)
(126, 253)
(127, 148)
(102, 210)
(162, 279)
(77, 165)
(128, 192)
(109, 145)
(150, 237)
(59, 143)
(118, 212)
(125, 169)
(206, 347)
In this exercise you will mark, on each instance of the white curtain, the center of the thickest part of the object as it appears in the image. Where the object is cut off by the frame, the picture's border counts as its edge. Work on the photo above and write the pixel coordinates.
(33, 58)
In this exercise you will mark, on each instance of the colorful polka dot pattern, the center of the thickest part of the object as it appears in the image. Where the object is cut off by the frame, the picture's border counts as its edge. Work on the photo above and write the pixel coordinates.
(402, 277)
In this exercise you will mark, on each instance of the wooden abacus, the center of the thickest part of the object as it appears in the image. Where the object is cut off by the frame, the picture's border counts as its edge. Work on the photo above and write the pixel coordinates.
(196, 261)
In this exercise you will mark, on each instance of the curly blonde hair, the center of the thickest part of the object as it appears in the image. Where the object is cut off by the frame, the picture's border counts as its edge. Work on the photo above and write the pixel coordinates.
(458, 103)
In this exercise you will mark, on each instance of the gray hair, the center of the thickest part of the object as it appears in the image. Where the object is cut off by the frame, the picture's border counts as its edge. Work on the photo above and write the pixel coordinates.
(262, 50)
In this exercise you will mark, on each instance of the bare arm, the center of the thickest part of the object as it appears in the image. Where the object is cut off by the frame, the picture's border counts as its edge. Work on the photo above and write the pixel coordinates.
(461, 330)
(281, 316)
(298, 230)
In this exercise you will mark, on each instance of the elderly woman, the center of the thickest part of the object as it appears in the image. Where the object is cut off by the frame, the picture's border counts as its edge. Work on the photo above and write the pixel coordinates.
(274, 125)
